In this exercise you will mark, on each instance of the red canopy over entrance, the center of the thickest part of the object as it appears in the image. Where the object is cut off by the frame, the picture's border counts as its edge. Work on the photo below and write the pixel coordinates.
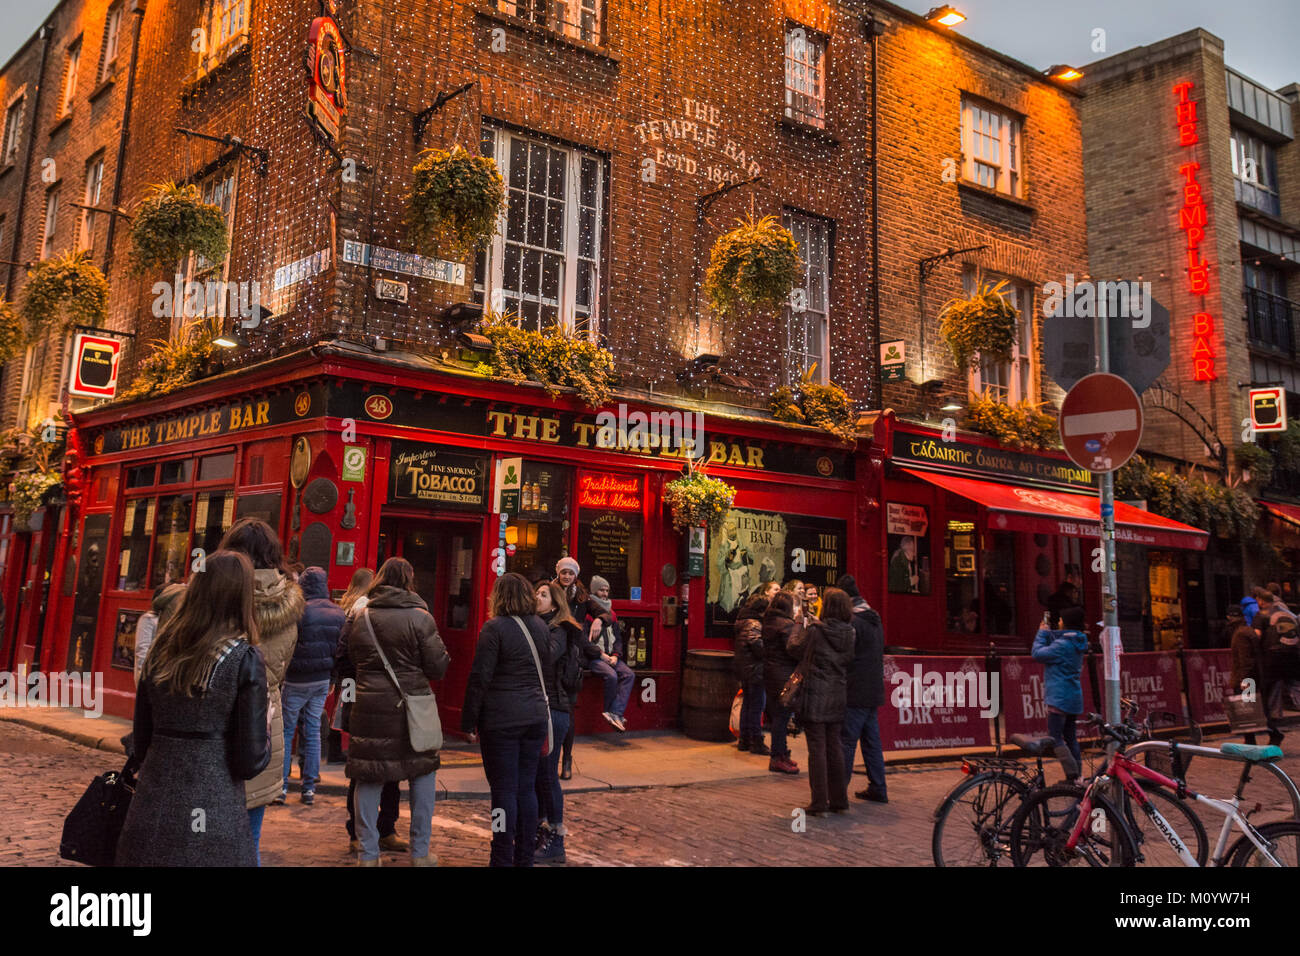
(1039, 511)
(1289, 513)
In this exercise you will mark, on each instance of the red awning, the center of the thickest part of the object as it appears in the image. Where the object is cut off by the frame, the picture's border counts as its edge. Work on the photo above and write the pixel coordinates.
(1039, 511)
(1289, 513)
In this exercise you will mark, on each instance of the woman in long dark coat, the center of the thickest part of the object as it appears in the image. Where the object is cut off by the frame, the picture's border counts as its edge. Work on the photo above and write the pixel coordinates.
(200, 728)
(824, 694)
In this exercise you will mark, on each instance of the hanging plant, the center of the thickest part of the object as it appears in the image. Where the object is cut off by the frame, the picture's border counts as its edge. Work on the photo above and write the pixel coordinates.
(1022, 425)
(756, 265)
(980, 327)
(827, 407)
(174, 363)
(26, 492)
(455, 202)
(696, 500)
(1230, 512)
(13, 333)
(172, 222)
(65, 290)
(1255, 459)
(553, 358)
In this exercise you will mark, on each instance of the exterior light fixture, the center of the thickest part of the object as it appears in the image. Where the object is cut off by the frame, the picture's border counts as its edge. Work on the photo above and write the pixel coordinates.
(233, 339)
(1064, 73)
(945, 16)
(952, 406)
(473, 341)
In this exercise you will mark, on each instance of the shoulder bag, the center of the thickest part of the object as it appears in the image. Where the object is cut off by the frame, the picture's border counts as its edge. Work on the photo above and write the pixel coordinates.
(423, 725)
(550, 730)
(792, 693)
(91, 830)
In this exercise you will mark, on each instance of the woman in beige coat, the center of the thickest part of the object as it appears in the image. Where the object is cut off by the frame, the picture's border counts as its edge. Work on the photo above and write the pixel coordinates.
(277, 606)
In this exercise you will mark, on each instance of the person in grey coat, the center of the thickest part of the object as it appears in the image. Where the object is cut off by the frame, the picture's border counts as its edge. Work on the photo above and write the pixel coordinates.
(200, 728)
(822, 708)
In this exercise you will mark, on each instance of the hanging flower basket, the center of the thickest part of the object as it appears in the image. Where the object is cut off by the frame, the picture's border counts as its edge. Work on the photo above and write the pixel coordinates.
(981, 327)
(756, 265)
(174, 363)
(13, 333)
(827, 407)
(1257, 461)
(27, 491)
(172, 222)
(63, 291)
(1021, 426)
(696, 501)
(455, 202)
(552, 357)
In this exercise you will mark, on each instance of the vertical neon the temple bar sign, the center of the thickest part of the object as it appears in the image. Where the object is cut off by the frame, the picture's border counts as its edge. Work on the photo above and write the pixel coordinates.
(1192, 219)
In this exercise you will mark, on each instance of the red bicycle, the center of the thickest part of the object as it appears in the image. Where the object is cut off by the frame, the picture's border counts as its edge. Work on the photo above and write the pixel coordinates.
(1070, 825)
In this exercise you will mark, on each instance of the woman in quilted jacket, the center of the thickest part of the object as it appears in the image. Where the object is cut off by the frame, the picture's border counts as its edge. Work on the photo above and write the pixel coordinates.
(749, 668)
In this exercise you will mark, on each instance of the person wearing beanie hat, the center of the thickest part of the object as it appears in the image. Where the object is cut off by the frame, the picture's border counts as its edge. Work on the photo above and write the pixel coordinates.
(566, 576)
(605, 652)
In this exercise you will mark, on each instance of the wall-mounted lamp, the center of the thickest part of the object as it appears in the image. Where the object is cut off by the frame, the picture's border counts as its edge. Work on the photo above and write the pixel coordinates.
(945, 16)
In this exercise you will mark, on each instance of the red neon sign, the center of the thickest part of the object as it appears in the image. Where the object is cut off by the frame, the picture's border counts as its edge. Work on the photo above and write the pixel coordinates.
(609, 491)
(1192, 220)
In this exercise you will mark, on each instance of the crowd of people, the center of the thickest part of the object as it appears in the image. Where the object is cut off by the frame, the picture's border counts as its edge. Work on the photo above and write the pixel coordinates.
(835, 642)
(234, 663)
(1264, 636)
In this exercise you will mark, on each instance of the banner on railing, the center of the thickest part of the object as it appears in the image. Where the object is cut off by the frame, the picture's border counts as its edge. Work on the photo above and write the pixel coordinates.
(936, 703)
(1209, 679)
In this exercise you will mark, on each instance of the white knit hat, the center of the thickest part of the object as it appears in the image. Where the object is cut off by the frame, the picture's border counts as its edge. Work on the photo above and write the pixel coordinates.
(567, 563)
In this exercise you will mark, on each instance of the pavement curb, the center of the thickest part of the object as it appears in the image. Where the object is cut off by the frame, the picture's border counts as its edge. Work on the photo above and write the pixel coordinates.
(109, 744)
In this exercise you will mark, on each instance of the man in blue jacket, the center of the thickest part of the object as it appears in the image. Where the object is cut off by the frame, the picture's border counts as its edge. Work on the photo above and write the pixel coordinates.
(1062, 654)
(307, 680)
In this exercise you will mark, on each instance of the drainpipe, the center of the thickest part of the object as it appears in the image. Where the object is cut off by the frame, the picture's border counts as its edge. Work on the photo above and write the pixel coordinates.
(138, 11)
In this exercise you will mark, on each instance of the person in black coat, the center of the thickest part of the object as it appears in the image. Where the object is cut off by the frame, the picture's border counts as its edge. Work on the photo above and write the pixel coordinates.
(865, 694)
(307, 679)
(563, 681)
(782, 622)
(828, 642)
(506, 707)
(749, 669)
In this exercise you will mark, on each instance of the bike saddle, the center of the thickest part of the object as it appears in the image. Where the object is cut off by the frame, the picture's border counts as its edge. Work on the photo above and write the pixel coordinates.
(1034, 746)
(1252, 753)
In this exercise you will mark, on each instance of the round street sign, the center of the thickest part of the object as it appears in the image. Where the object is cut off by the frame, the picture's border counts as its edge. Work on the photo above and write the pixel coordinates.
(1101, 422)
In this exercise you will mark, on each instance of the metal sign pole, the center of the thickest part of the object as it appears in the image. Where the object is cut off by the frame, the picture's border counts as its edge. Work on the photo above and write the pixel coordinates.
(1110, 643)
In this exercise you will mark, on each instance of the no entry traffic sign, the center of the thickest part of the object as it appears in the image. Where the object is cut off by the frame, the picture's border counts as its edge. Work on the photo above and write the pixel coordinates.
(1101, 422)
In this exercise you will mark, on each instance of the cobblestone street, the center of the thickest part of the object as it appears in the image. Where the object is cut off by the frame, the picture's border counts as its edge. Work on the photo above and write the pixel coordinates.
(742, 822)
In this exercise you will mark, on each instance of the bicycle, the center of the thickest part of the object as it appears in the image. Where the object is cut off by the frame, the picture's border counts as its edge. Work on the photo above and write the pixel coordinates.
(1069, 824)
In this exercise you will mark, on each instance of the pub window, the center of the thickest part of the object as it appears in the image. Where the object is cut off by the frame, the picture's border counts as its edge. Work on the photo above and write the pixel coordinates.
(543, 267)
(539, 532)
(141, 476)
(807, 313)
(610, 531)
(217, 467)
(176, 472)
(963, 604)
(171, 553)
(214, 513)
(13, 134)
(1000, 584)
(218, 188)
(70, 68)
(1007, 380)
(576, 19)
(805, 76)
(991, 146)
(133, 563)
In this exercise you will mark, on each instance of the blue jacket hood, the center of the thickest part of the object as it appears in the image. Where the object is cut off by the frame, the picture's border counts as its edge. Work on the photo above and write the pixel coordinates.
(314, 584)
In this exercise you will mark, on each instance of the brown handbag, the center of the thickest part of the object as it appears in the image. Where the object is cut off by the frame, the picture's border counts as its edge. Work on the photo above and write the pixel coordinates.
(792, 692)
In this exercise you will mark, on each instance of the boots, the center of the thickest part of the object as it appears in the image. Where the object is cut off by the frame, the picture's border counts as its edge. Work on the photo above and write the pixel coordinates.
(757, 747)
(782, 764)
(743, 743)
(551, 848)
(566, 767)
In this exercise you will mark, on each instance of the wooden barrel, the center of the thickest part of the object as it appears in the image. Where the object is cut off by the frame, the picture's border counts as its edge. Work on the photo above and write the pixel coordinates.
(708, 687)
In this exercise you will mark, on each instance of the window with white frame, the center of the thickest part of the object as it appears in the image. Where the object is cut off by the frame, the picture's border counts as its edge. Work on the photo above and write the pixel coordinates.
(991, 143)
(807, 315)
(217, 188)
(577, 19)
(1007, 380)
(1254, 163)
(89, 218)
(227, 26)
(13, 133)
(51, 223)
(70, 78)
(112, 39)
(805, 76)
(544, 265)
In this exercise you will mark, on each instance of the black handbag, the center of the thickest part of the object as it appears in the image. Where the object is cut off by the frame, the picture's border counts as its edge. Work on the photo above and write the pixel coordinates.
(91, 830)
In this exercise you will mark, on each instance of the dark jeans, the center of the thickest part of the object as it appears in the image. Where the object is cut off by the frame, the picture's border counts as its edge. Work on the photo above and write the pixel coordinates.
(778, 720)
(618, 684)
(389, 799)
(751, 711)
(861, 724)
(1060, 727)
(550, 795)
(510, 759)
(568, 737)
(826, 775)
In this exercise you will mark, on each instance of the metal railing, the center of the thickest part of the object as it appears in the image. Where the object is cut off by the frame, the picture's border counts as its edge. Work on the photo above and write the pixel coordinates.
(1270, 321)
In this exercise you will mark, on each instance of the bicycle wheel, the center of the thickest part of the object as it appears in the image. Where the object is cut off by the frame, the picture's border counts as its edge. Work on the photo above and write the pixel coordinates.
(1042, 826)
(972, 826)
(1152, 847)
(1283, 837)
